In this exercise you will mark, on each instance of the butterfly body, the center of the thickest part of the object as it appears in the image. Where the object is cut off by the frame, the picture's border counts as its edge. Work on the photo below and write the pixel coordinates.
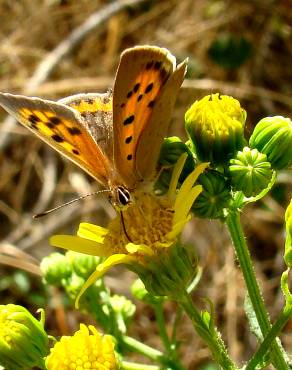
(115, 137)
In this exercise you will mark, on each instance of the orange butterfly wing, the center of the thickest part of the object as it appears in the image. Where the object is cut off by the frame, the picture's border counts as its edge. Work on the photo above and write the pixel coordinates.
(62, 128)
(143, 98)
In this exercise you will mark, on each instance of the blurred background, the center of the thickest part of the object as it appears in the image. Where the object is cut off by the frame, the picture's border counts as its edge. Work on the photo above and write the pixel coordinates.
(56, 48)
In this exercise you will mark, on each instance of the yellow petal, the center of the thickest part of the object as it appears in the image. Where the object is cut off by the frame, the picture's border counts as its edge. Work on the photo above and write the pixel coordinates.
(182, 209)
(176, 174)
(177, 228)
(142, 248)
(101, 269)
(81, 245)
(188, 184)
(92, 232)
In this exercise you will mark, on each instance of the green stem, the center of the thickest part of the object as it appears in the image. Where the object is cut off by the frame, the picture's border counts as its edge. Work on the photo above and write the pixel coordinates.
(142, 348)
(208, 333)
(266, 344)
(243, 255)
(170, 347)
(133, 366)
(151, 353)
(158, 309)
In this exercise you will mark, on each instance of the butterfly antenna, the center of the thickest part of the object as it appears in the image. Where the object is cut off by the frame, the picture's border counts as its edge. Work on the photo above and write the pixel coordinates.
(38, 215)
(124, 227)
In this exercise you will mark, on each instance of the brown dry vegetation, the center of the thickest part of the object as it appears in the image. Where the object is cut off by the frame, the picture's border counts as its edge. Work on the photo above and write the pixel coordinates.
(34, 178)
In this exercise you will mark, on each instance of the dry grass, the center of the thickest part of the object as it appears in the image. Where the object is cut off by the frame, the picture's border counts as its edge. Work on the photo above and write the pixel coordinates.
(34, 178)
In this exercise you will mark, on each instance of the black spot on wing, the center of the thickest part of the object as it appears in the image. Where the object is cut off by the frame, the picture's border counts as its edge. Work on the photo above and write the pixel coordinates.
(129, 120)
(122, 105)
(149, 88)
(140, 97)
(129, 157)
(149, 65)
(151, 104)
(33, 119)
(136, 87)
(75, 151)
(55, 121)
(130, 93)
(128, 139)
(157, 65)
(74, 130)
(57, 138)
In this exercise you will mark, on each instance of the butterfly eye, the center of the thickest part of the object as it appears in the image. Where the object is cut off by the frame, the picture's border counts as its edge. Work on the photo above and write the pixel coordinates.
(123, 196)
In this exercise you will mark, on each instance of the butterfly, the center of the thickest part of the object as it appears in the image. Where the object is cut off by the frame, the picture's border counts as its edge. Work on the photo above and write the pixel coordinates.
(116, 136)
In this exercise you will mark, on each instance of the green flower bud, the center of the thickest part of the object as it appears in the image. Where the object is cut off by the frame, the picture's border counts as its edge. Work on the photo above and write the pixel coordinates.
(215, 124)
(215, 196)
(140, 292)
(288, 244)
(74, 285)
(273, 137)
(171, 150)
(23, 341)
(124, 310)
(120, 304)
(170, 273)
(55, 267)
(83, 264)
(250, 172)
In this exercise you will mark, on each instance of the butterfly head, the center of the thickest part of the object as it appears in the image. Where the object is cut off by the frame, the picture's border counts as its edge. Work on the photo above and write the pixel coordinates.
(120, 197)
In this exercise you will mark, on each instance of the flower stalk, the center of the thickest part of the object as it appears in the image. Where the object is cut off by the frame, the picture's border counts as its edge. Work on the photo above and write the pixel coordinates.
(151, 353)
(126, 365)
(276, 329)
(208, 333)
(243, 255)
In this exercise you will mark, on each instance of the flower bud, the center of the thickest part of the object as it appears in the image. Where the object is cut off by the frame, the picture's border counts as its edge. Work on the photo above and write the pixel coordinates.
(215, 196)
(86, 349)
(23, 341)
(55, 267)
(124, 309)
(288, 244)
(215, 124)
(273, 137)
(171, 150)
(83, 264)
(73, 286)
(170, 273)
(140, 292)
(250, 172)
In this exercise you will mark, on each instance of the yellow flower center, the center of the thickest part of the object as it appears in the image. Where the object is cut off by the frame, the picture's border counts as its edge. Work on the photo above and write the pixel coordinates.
(82, 351)
(145, 222)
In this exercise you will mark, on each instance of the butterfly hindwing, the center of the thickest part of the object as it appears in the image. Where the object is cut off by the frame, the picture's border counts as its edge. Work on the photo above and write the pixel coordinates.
(96, 111)
(61, 127)
(139, 94)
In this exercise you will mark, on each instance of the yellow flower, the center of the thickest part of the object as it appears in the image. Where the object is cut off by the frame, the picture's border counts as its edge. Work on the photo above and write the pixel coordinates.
(144, 230)
(86, 349)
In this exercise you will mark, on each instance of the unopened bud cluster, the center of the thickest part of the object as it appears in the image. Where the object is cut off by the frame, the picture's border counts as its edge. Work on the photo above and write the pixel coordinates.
(215, 126)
